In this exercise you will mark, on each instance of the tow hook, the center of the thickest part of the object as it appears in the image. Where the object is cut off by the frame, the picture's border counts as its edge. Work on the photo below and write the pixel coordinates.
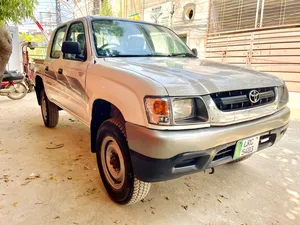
(212, 170)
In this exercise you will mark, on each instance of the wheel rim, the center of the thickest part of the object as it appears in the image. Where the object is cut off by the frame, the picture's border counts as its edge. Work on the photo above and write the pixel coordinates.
(44, 109)
(112, 162)
(20, 91)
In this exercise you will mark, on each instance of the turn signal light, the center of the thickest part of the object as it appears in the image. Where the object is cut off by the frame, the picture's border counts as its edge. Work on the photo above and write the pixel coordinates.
(158, 110)
(160, 107)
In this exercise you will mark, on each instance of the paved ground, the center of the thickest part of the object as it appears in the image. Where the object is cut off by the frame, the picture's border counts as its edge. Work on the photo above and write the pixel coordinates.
(294, 104)
(264, 190)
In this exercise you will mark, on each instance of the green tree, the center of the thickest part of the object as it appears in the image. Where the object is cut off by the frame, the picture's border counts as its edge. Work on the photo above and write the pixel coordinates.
(25, 37)
(120, 14)
(14, 11)
(106, 9)
(38, 52)
(38, 38)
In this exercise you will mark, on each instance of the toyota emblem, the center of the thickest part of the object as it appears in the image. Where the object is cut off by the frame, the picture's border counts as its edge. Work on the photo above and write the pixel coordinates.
(254, 96)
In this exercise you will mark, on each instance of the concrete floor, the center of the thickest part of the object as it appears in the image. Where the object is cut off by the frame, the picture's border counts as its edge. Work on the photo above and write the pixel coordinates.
(294, 104)
(62, 186)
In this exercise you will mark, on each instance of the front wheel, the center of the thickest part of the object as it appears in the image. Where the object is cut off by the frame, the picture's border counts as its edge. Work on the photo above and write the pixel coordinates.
(19, 93)
(114, 164)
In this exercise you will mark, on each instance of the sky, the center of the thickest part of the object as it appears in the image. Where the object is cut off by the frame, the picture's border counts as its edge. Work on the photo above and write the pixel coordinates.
(45, 13)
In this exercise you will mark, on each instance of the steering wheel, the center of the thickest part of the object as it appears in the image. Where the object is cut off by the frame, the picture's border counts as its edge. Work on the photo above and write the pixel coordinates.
(103, 47)
(104, 50)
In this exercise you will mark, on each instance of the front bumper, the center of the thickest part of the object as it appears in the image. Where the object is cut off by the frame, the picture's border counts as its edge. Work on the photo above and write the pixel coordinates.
(161, 155)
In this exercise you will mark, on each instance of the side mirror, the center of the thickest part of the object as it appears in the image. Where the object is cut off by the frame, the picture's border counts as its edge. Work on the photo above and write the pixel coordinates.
(194, 50)
(30, 46)
(71, 47)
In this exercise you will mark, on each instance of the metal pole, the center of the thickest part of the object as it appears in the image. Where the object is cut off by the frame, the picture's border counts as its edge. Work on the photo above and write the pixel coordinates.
(69, 7)
(262, 13)
(96, 5)
(75, 4)
(41, 28)
(86, 8)
(141, 15)
(257, 10)
(130, 9)
(58, 12)
(172, 13)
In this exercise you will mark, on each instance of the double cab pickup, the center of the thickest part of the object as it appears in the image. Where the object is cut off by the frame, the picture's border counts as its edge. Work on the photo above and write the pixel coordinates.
(155, 110)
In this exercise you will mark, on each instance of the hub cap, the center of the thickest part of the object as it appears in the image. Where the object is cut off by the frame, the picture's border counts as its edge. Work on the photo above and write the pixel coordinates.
(112, 162)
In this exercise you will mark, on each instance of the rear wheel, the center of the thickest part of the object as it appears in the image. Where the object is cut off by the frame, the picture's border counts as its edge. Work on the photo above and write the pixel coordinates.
(49, 110)
(19, 93)
(114, 164)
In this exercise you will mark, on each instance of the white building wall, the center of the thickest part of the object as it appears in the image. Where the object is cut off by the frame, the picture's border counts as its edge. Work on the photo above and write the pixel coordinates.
(115, 7)
(83, 8)
(14, 62)
(195, 29)
(86, 8)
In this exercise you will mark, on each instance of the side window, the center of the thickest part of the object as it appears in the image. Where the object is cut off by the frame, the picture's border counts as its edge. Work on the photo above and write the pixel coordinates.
(57, 42)
(76, 33)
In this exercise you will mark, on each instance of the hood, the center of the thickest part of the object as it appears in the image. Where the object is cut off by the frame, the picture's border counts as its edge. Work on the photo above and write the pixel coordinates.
(192, 76)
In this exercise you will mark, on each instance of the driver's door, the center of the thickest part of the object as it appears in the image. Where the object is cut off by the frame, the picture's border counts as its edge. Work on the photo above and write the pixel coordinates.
(74, 71)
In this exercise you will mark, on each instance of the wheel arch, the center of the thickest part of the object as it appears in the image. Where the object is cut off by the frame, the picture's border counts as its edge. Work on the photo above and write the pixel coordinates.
(102, 110)
(39, 86)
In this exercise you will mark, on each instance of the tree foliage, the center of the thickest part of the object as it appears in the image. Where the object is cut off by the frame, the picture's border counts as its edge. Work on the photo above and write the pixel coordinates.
(120, 13)
(38, 38)
(40, 49)
(106, 9)
(16, 10)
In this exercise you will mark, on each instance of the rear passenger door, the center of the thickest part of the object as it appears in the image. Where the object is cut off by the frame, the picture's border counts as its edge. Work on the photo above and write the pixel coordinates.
(54, 83)
(74, 70)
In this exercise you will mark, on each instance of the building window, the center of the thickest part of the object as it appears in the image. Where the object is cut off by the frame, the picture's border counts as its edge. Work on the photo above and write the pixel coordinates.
(189, 12)
(232, 15)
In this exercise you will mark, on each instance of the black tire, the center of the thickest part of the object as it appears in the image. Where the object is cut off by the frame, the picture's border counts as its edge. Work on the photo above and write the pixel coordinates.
(50, 113)
(240, 159)
(128, 189)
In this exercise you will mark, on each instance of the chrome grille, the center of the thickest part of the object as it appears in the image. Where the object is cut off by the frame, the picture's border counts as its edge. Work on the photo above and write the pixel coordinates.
(237, 100)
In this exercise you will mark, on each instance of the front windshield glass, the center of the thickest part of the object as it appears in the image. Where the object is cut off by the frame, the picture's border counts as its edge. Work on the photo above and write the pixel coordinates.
(116, 38)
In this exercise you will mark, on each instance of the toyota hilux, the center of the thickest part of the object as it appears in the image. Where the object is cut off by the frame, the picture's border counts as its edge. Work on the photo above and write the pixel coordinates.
(155, 110)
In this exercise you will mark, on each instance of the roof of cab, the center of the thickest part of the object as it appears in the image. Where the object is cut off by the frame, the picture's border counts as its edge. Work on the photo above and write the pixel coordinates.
(90, 18)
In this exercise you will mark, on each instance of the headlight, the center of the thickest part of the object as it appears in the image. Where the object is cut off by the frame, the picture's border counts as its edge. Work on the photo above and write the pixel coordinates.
(283, 96)
(183, 109)
(191, 110)
(175, 111)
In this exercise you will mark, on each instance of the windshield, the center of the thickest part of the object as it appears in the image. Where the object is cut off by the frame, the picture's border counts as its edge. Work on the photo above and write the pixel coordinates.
(116, 38)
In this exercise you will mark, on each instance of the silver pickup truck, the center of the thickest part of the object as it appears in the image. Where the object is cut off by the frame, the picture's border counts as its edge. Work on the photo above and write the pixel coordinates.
(155, 110)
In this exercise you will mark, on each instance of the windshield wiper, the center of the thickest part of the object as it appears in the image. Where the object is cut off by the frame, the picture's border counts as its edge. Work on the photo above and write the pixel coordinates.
(186, 54)
(153, 55)
(124, 55)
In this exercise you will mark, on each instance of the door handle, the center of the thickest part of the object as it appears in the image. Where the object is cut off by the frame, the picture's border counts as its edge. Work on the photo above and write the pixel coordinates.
(46, 68)
(60, 71)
